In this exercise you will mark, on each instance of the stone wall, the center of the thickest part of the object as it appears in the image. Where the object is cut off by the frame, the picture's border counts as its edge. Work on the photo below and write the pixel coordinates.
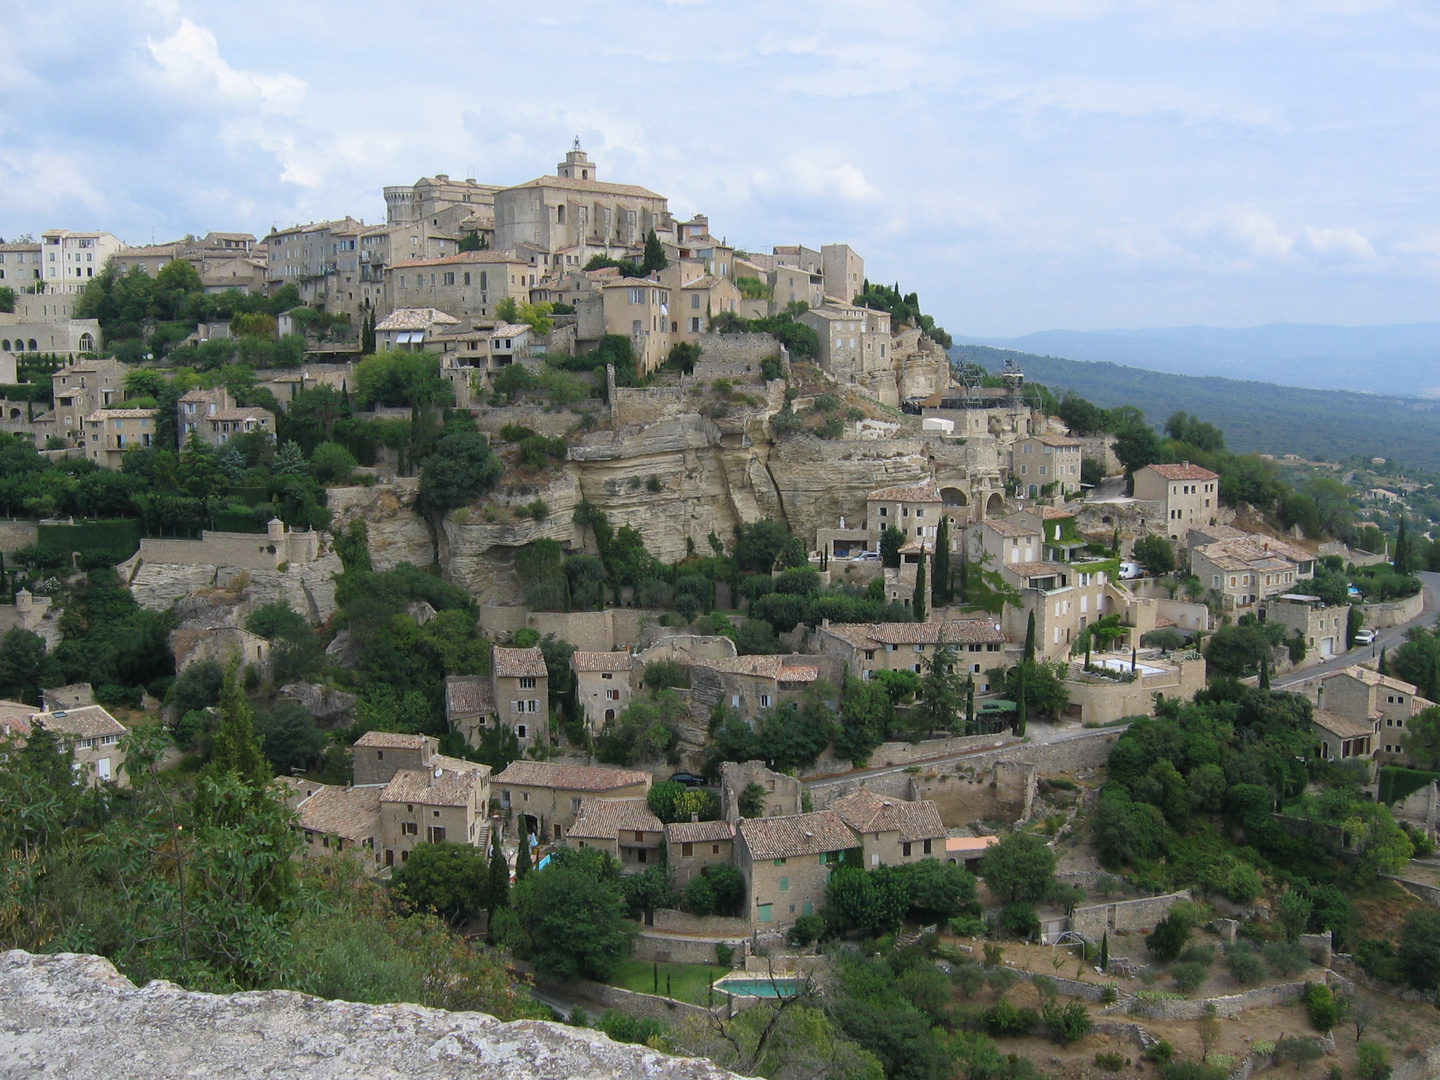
(1093, 920)
(588, 631)
(626, 1001)
(17, 534)
(647, 405)
(904, 753)
(77, 1017)
(719, 349)
(655, 948)
(1393, 613)
(309, 589)
(1101, 700)
(1263, 997)
(536, 417)
(717, 927)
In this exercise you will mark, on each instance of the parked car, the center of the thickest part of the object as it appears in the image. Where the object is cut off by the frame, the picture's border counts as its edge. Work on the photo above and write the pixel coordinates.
(866, 556)
(688, 779)
(1364, 637)
(1131, 570)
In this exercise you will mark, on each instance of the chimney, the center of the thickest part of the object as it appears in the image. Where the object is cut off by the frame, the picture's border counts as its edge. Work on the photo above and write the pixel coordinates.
(694, 816)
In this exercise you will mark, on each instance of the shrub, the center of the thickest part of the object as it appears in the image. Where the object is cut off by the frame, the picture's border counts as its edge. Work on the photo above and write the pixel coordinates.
(1245, 966)
(1371, 1061)
(1020, 920)
(631, 1029)
(1044, 986)
(1189, 976)
(807, 928)
(969, 979)
(1160, 1053)
(1070, 1022)
(967, 926)
(1004, 1019)
(1287, 958)
(1109, 996)
(1170, 937)
(1001, 979)
(1199, 954)
(1110, 1061)
(724, 954)
(1300, 1050)
(1192, 1070)
(1320, 1003)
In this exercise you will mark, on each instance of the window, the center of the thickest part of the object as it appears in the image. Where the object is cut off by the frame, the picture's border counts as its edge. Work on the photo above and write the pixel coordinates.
(905, 849)
(927, 847)
(435, 834)
(448, 278)
(763, 912)
(715, 849)
(527, 683)
(612, 695)
(687, 850)
(779, 862)
(784, 884)
(637, 296)
(765, 701)
(409, 828)
(521, 731)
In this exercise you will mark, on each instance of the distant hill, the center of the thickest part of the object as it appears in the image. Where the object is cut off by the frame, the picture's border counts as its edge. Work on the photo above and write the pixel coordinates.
(1255, 416)
(1402, 360)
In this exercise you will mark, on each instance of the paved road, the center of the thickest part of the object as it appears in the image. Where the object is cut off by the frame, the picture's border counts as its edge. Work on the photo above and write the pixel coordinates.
(1387, 639)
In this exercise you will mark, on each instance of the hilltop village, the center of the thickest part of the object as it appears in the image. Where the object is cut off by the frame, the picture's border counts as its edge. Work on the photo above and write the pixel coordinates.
(582, 617)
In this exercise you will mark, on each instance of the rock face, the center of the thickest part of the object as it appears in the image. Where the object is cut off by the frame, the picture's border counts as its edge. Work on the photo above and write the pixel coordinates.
(77, 1017)
(308, 588)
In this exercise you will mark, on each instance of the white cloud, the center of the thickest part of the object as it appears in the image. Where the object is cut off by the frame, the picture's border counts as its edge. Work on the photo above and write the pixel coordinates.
(190, 63)
(1347, 243)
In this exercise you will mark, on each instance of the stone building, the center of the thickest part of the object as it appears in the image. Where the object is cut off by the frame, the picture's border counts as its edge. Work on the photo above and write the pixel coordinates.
(603, 685)
(854, 341)
(447, 800)
(82, 387)
(1322, 625)
(1380, 704)
(891, 830)
(66, 338)
(469, 283)
(1242, 570)
(109, 433)
(215, 419)
(867, 648)
(334, 820)
(20, 265)
(692, 847)
(753, 684)
(90, 734)
(1039, 461)
(843, 271)
(519, 687)
(457, 206)
(624, 828)
(914, 509)
(409, 329)
(574, 215)
(544, 798)
(469, 707)
(223, 644)
(786, 863)
(1189, 493)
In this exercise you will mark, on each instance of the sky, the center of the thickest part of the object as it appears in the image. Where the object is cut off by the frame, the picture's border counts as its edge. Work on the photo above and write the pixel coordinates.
(1021, 164)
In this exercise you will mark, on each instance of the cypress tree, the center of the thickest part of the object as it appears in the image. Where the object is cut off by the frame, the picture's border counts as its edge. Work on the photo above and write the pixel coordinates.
(654, 255)
(1088, 639)
(962, 591)
(1382, 661)
(1264, 671)
(940, 565)
(522, 858)
(970, 727)
(917, 601)
(499, 892)
(1104, 950)
(1020, 710)
(1030, 638)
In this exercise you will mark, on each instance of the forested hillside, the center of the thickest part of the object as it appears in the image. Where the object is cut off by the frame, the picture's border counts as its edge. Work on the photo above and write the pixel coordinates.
(1255, 416)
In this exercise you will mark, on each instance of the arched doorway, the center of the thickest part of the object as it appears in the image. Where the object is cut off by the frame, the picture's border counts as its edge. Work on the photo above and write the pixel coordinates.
(995, 505)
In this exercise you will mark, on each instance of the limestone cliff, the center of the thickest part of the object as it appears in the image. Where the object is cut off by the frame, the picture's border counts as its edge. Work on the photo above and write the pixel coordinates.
(77, 1017)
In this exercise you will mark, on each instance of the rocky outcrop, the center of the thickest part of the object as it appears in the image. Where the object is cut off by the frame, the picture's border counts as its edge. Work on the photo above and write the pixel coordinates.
(308, 588)
(77, 1017)
(397, 533)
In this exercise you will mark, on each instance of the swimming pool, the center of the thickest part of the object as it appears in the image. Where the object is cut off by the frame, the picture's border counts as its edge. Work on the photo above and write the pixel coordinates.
(750, 986)
(1124, 666)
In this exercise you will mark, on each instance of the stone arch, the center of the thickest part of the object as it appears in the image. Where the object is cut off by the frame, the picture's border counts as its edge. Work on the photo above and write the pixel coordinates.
(34, 345)
(954, 496)
(5, 345)
(87, 342)
(995, 505)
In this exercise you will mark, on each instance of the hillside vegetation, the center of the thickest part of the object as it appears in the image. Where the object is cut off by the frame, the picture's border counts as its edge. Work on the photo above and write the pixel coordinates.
(1256, 417)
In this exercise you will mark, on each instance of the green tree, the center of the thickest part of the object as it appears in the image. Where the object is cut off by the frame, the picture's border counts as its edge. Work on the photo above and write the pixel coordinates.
(1029, 653)
(289, 737)
(1021, 867)
(1136, 445)
(1154, 552)
(1170, 937)
(449, 878)
(497, 893)
(941, 591)
(1421, 740)
(574, 915)
(943, 692)
(654, 259)
(1419, 949)
(22, 658)
(891, 541)
(522, 855)
(1404, 555)
(941, 890)
(922, 591)
(461, 468)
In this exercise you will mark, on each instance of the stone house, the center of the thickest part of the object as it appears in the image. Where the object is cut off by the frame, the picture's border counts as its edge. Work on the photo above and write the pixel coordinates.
(66, 338)
(410, 329)
(1018, 538)
(782, 793)
(546, 797)
(446, 800)
(867, 648)
(692, 847)
(1320, 624)
(221, 644)
(624, 828)
(751, 684)
(854, 341)
(88, 732)
(20, 265)
(335, 819)
(470, 283)
(787, 861)
(891, 830)
(637, 308)
(1341, 737)
(214, 418)
(109, 433)
(1242, 571)
(1189, 493)
(1041, 460)
(1067, 597)
(1382, 704)
(72, 259)
(603, 685)
(913, 509)
(468, 705)
(843, 272)
(81, 388)
(520, 688)
(699, 299)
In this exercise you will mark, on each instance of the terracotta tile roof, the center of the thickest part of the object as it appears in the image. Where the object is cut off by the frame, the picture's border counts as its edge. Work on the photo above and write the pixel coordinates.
(572, 184)
(793, 673)
(869, 635)
(241, 412)
(1374, 678)
(1343, 726)
(1035, 569)
(796, 835)
(604, 819)
(1007, 527)
(699, 832)
(1184, 472)
(1058, 440)
(122, 414)
(1255, 552)
(569, 777)
(974, 632)
(970, 843)
(86, 722)
(349, 813)
(864, 811)
(708, 281)
(387, 740)
(453, 787)
(467, 695)
(518, 663)
(600, 661)
(415, 319)
(927, 492)
(1055, 513)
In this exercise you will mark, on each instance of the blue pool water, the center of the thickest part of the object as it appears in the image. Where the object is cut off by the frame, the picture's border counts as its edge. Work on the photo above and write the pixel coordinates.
(760, 988)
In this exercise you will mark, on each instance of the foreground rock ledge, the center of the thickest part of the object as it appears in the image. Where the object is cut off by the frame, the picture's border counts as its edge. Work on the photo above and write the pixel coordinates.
(77, 1017)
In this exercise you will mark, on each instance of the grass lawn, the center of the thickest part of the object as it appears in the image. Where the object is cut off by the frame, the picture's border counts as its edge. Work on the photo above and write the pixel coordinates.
(687, 982)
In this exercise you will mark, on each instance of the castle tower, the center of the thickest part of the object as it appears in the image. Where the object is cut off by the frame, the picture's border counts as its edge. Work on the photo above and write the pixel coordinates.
(576, 165)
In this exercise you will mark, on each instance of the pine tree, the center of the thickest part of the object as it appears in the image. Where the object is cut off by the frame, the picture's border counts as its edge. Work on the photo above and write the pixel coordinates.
(917, 601)
(1030, 638)
(289, 461)
(499, 891)
(236, 749)
(940, 565)
(654, 255)
(522, 857)
(1403, 562)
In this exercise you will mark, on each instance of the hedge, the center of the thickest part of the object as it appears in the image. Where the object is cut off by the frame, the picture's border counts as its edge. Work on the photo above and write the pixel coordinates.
(122, 535)
(1397, 782)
